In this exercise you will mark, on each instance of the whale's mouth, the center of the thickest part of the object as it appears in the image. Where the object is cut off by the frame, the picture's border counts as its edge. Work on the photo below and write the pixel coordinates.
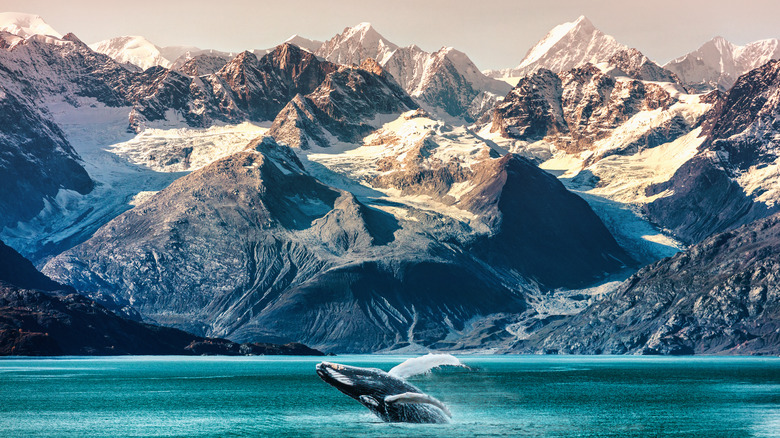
(329, 372)
(321, 370)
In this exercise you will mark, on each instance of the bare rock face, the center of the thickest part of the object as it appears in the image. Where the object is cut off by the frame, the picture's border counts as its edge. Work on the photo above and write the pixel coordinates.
(635, 64)
(262, 87)
(576, 108)
(746, 126)
(446, 81)
(343, 104)
(532, 109)
(201, 65)
(721, 296)
(18, 271)
(556, 239)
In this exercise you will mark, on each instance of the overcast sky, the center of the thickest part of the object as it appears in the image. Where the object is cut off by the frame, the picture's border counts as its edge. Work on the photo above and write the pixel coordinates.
(494, 33)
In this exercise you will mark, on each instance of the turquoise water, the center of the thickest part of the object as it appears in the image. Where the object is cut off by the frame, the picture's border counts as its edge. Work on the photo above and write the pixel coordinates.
(547, 396)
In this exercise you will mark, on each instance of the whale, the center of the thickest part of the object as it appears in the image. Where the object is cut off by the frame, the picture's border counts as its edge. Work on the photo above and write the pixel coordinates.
(387, 395)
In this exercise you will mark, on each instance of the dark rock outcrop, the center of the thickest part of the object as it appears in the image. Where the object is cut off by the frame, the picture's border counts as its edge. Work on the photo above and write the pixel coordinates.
(633, 63)
(262, 87)
(554, 238)
(200, 65)
(17, 270)
(34, 323)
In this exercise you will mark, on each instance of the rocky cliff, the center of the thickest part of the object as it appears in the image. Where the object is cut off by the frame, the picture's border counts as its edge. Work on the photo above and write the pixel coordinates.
(721, 296)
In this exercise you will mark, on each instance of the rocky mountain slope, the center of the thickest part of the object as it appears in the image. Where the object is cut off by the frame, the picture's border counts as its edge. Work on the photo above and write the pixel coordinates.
(692, 164)
(445, 81)
(733, 178)
(206, 62)
(340, 107)
(64, 83)
(718, 297)
(39, 317)
(718, 63)
(318, 265)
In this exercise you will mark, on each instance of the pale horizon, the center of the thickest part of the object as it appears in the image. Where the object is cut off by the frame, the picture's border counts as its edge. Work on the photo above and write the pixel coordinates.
(494, 34)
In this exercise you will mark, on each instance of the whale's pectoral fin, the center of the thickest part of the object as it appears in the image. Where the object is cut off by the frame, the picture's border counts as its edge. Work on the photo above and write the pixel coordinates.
(417, 398)
(368, 400)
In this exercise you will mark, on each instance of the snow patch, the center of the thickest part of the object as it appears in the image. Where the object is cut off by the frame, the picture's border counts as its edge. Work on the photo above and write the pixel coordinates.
(186, 149)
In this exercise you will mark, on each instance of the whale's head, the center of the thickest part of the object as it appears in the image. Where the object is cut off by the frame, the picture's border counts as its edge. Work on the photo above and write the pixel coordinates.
(389, 397)
(358, 382)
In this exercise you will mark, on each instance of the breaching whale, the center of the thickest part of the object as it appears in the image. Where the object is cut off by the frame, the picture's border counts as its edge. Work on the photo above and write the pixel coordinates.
(387, 394)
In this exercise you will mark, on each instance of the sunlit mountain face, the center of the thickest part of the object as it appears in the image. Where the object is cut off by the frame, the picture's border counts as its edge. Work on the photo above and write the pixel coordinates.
(359, 195)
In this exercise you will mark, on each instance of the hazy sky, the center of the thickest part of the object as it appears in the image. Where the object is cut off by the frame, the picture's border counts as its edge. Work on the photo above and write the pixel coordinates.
(494, 33)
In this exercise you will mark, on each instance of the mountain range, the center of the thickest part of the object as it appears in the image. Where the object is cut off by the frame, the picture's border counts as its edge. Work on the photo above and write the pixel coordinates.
(359, 196)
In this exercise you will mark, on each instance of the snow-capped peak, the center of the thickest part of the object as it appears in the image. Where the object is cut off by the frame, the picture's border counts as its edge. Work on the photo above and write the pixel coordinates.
(355, 44)
(566, 46)
(362, 27)
(718, 63)
(469, 71)
(554, 36)
(569, 45)
(304, 43)
(25, 25)
(135, 50)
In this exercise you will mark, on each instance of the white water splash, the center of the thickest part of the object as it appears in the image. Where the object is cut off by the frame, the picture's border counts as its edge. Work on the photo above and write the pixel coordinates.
(424, 364)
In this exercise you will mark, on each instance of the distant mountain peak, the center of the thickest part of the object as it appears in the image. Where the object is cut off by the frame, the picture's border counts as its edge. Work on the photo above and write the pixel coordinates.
(355, 44)
(718, 63)
(579, 30)
(132, 49)
(566, 46)
(364, 26)
(304, 43)
(25, 25)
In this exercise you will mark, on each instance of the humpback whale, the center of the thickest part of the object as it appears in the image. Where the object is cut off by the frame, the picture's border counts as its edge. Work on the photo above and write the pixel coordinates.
(386, 394)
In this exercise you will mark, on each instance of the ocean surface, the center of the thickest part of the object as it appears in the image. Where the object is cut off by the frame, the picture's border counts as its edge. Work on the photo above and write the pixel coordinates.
(534, 396)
